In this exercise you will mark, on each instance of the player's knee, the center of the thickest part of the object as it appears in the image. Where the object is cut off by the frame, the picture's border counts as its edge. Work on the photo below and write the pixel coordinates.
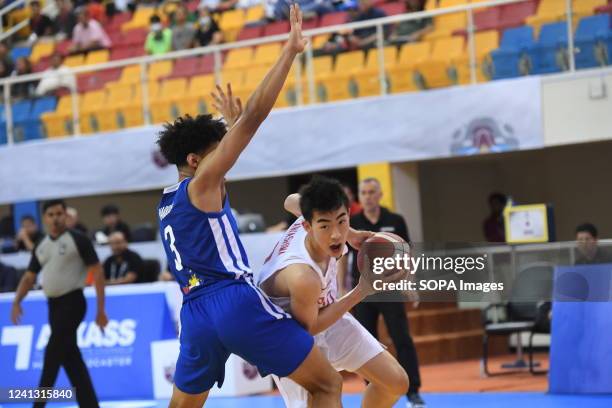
(398, 383)
(329, 383)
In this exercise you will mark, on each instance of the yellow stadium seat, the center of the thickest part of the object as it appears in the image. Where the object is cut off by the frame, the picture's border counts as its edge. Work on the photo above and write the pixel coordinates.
(254, 14)
(445, 25)
(349, 62)
(164, 106)
(59, 122)
(413, 53)
(549, 11)
(431, 5)
(435, 70)
(238, 58)
(266, 54)
(117, 94)
(97, 57)
(322, 66)
(91, 102)
(140, 19)
(452, 3)
(584, 8)
(41, 49)
(130, 74)
(231, 22)
(319, 41)
(485, 42)
(233, 77)
(74, 60)
(159, 69)
(197, 100)
(402, 75)
(368, 79)
(336, 89)
(337, 85)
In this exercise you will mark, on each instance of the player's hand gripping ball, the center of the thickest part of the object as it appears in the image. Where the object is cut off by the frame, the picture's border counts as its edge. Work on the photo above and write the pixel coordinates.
(378, 258)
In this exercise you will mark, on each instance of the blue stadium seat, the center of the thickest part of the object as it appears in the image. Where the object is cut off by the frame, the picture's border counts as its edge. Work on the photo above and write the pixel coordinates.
(549, 54)
(514, 44)
(20, 110)
(31, 124)
(17, 52)
(593, 37)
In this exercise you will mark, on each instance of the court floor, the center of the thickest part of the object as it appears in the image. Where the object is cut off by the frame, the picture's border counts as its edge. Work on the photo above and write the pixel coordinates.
(434, 400)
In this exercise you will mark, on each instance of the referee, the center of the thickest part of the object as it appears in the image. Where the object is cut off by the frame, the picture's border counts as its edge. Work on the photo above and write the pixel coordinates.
(64, 257)
(376, 218)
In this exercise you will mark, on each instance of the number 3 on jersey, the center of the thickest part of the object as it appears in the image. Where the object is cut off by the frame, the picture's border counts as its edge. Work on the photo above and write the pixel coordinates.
(169, 235)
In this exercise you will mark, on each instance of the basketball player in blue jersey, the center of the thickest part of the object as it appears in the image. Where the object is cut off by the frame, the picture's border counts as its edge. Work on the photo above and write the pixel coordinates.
(223, 312)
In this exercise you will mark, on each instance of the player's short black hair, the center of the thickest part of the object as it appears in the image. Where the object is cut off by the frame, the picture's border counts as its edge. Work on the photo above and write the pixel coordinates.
(322, 194)
(109, 209)
(52, 203)
(189, 135)
(28, 217)
(587, 227)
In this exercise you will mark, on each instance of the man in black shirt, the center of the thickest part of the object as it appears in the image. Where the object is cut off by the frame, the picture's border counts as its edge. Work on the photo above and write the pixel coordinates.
(376, 218)
(29, 235)
(588, 250)
(123, 266)
(112, 222)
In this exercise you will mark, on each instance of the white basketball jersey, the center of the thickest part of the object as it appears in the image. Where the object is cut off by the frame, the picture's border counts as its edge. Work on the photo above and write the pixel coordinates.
(291, 249)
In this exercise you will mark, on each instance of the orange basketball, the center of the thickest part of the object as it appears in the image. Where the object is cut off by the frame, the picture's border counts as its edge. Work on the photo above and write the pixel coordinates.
(381, 245)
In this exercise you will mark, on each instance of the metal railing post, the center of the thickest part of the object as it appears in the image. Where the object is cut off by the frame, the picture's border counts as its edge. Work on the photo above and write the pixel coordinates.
(299, 91)
(217, 67)
(472, 46)
(146, 112)
(310, 74)
(570, 36)
(9, 115)
(76, 119)
(380, 46)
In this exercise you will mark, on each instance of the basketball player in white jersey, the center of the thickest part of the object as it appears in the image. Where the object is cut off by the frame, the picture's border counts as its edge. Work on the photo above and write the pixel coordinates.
(300, 276)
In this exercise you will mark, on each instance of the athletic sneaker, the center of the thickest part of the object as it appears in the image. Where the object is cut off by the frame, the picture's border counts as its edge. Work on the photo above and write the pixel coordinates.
(415, 401)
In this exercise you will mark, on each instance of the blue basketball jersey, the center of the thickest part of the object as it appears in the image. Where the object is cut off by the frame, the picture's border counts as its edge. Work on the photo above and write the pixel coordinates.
(201, 247)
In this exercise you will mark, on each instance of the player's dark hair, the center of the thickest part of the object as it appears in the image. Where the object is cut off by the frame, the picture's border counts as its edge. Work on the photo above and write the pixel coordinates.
(587, 227)
(189, 135)
(28, 217)
(322, 194)
(109, 209)
(52, 203)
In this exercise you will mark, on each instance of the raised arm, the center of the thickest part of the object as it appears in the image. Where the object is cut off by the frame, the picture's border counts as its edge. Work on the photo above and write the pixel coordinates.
(212, 170)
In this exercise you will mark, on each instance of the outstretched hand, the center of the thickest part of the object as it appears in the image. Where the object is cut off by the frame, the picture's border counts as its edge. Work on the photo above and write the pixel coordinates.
(297, 42)
(229, 106)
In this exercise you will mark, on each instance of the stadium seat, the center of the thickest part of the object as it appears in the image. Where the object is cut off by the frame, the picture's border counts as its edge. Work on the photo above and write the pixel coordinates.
(549, 11)
(238, 58)
(207, 64)
(337, 84)
(59, 122)
(392, 9)
(114, 24)
(329, 19)
(593, 42)
(74, 60)
(310, 24)
(140, 19)
(231, 22)
(97, 57)
(445, 25)
(255, 14)
(266, 54)
(122, 52)
(159, 69)
(97, 80)
(549, 54)
(130, 74)
(41, 50)
(511, 54)
(585, 8)
(32, 124)
(402, 76)
(514, 15)
(62, 47)
(485, 42)
(18, 52)
(164, 107)
(91, 102)
(278, 27)
(487, 19)
(185, 67)
(197, 99)
(248, 33)
(117, 95)
(435, 70)
(368, 79)
(133, 38)
(20, 111)
(42, 64)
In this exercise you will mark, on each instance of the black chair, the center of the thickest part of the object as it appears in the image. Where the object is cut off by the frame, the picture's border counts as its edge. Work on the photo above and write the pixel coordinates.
(149, 271)
(527, 311)
(143, 233)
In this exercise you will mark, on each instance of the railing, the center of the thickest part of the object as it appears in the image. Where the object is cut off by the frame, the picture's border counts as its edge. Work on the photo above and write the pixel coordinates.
(24, 23)
(308, 57)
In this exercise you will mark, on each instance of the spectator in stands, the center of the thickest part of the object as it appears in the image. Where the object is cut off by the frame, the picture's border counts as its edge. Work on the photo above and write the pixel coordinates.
(29, 234)
(208, 30)
(588, 248)
(310, 8)
(183, 32)
(411, 30)
(23, 90)
(55, 77)
(40, 24)
(9, 278)
(72, 221)
(365, 37)
(159, 39)
(5, 58)
(112, 222)
(124, 265)
(88, 34)
(5, 70)
(493, 225)
(66, 20)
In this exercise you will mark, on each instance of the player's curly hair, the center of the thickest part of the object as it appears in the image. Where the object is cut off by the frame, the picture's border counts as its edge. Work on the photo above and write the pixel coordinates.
(322, 194)
(189, 135)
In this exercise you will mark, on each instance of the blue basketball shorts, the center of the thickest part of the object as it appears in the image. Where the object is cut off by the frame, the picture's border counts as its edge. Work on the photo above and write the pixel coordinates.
(236, 318)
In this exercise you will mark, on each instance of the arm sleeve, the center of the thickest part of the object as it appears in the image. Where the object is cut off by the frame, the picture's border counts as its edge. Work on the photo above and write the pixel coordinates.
(402, 229)
(34, 265)
(85, 248)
